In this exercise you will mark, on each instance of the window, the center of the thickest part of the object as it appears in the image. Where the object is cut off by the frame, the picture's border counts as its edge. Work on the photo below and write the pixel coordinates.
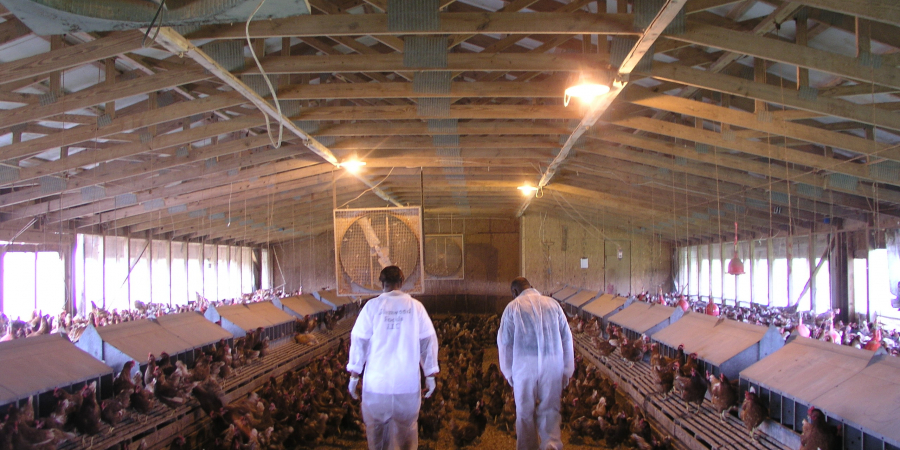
(703, 286)
(800, 272)
(139, 270)
(22, 294)
(715, 267)
(161, 283)
(760, 273)
(879, 285)
(115, 273)
(210, 273)
(195, 272)
(246, 270)
(266, 282)
(180, 292)
(744, 282)
(19, 285)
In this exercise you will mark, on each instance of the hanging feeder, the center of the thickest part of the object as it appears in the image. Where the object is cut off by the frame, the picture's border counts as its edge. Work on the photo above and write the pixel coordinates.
(735, 266)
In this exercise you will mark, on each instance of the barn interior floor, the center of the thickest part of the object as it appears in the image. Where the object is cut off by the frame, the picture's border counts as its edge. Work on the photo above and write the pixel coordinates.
(493, 437)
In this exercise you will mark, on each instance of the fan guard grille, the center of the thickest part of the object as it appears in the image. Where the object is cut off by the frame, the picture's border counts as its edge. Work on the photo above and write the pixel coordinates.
(367, 240)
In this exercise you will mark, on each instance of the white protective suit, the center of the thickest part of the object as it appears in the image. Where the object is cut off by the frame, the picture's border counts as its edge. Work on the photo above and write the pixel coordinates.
(392, 337)
(537, 357)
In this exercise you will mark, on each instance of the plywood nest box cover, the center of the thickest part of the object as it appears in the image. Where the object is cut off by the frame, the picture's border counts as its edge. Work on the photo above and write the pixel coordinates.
(604, 306)
(858, 387)
(302, 305)
(135, 340)
(564, 293)
(240, 318)
(726, 346)
(331, 298)
(39, 364)
(641, 318)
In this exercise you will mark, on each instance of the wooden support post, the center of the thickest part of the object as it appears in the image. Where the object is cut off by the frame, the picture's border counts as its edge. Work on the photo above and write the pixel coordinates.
(789, 249)
(748, 264)
(863, 37)
(759, 76)
(811, 251)
(801, 39)
(56, 43)
(151, 105)
(770, 251)
(110, 109)
(837, 267)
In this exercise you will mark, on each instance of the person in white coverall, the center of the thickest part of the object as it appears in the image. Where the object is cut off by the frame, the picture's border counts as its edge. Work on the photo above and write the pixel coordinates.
(537, 359)
(392, 337)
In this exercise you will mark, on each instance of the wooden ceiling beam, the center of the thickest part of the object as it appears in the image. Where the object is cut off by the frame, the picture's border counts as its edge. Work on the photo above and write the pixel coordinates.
(776, 127)
(123, 151)
(101, 94)
(382, 112)
(119, 125)
(405, 90)
(418, 127)
(456, 62)
(869, 114)
(787, 53)
(885, 11)
(451, 23)
(68, 57)
(737, 170)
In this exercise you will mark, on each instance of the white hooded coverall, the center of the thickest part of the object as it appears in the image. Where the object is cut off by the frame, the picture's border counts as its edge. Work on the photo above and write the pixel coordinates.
(537, 357)
(391, 338)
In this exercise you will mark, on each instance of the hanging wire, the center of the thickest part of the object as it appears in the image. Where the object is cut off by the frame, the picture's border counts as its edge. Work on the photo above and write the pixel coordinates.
(160, 15)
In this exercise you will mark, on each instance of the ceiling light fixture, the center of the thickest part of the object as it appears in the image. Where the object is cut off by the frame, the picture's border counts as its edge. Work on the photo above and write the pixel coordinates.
(586, 86)
(353, 165)
(527, 189)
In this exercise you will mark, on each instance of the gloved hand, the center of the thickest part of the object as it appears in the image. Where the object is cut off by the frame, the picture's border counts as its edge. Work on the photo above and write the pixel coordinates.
(354, 381)
(430, 384)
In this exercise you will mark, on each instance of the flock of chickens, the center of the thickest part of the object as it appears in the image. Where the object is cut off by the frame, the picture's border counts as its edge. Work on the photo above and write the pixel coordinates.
(681, 375)
(74, 326)
(164, 380)
(311, 405)
(825, 326)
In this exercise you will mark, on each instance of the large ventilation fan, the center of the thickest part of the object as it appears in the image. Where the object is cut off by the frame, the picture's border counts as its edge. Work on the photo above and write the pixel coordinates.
(444, 257)
(368, 240)
(48, 17)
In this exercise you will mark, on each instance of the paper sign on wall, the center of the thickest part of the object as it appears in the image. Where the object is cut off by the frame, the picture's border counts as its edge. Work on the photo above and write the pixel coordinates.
(584, 263)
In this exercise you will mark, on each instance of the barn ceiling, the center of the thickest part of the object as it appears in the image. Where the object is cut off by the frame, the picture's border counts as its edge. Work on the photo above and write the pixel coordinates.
(777, 115)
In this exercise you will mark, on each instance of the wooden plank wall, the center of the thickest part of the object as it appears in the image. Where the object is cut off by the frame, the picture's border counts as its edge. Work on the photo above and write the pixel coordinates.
(491, 262)
(305, 263)
(552, 250)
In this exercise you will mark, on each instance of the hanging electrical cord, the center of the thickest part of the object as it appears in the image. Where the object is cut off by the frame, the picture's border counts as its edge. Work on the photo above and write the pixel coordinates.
(272, 89)
(159, 15)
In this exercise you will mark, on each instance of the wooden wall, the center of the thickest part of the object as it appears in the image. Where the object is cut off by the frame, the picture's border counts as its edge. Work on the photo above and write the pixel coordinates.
(552, 250)
(491, 262)
(306, 263)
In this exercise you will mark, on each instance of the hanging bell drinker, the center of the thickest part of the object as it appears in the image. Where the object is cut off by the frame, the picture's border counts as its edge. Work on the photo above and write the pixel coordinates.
(735, 266)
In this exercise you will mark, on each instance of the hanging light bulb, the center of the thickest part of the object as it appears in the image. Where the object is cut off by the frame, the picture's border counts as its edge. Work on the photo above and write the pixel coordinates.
(353, 165)
(527, 189)
(586, 86)
(735, 266)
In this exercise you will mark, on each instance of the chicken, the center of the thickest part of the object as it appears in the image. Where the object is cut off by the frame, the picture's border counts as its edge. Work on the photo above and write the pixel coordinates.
(663, 378)
(165, 392)
(603, 347)
(209, 401)
(818, 434)
(632, 351)
(112, 410)
(87, 419)
(617, 431)
(753, 412)
(723, 393)
(123, 382)
(693, 389)
(142, 399)
(466, 433)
